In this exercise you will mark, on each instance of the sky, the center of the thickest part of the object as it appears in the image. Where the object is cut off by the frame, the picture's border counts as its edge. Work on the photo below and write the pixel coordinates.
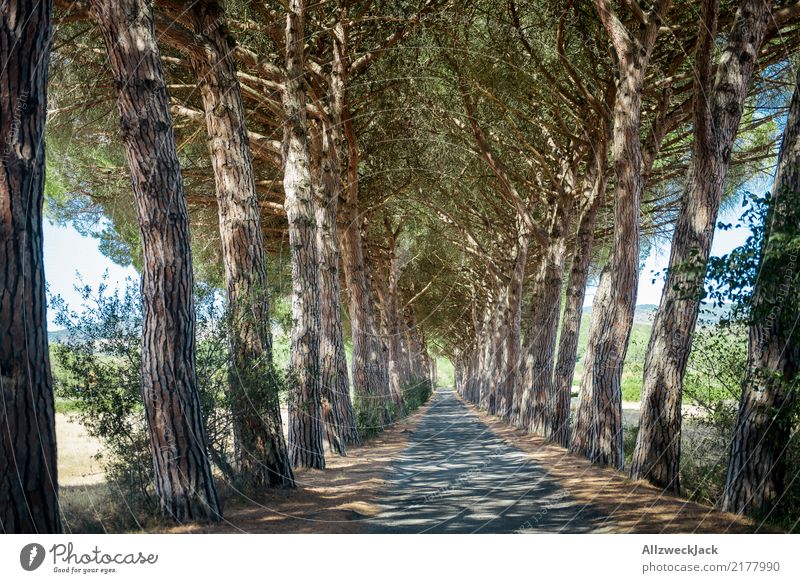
(66, 253)
(658, 260)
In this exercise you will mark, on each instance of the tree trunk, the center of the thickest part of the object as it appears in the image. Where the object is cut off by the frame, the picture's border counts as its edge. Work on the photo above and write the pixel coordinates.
(573, 310)
(28, 472)
(392, 333)
(333, 356)
(305, 415)
(412, 343)
(370, 379)
(598, 421)
(507, 381)
(612, 317)
(757, 465)
(556, 421)
(542, 330)
(337, 408)
(262, 457)
(184, 483)
(657, 453)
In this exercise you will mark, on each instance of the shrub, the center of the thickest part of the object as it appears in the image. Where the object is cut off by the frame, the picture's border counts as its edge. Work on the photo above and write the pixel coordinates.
(99, 374)
(416, 393)
(713, 386)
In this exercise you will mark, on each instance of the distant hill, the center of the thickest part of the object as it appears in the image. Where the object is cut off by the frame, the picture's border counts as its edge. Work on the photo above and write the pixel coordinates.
(646, 313)
(57, 336)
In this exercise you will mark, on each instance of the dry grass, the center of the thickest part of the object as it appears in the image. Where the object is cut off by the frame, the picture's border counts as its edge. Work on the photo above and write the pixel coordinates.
(632, 506)
(87, 503)
(77, 465)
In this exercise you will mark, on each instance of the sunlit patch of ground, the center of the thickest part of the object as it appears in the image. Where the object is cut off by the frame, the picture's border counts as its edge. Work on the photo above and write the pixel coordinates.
(77, 465)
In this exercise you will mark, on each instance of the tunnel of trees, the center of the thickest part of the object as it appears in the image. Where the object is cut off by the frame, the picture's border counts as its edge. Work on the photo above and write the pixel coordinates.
(436, 180)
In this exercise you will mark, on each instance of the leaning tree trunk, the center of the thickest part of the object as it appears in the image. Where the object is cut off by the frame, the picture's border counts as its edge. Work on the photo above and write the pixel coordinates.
(589, 407)
(412, 342)
(262, 457)
(370, 380)
(573, 310)
(657, 453)
(28, 472)
(391, 317)
(600, 434)
(534, 386)
(184, 483)
(757, 465)
(543, 329)
(333, 356)
(556, 422)
(305, 415)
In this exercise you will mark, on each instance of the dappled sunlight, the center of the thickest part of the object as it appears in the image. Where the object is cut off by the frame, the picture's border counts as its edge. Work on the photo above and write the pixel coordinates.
(628, 506)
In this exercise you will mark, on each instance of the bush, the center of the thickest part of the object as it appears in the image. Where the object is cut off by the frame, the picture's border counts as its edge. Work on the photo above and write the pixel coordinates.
(372, 417)
(713, 386)
(99, 374)
(416, 393)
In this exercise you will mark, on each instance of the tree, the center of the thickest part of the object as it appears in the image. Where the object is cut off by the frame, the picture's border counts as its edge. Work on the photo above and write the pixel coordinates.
(340, 420)
(598, 431)
(305, 415)
(717, 113)
(28, 472)
(767, 411)
(262, 456)
(184, 482)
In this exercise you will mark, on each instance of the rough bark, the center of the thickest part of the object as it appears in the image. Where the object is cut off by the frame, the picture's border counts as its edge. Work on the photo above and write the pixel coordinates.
(757, 465)
(510, 348)
(597, 412)
(413, 344)
(262, 457)
(612, 317)
(573, 310)
(542, 330)
(391, 318)
(716, 121)
(556, 421)
(28, 472)
(370, 379)
(305, 414)
(338, 415)
(184, 483)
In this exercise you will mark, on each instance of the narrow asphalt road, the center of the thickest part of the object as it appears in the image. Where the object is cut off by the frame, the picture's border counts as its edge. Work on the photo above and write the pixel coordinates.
(457, 476)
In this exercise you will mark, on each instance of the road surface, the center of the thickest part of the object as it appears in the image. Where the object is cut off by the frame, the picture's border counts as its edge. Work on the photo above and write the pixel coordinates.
(457, 476)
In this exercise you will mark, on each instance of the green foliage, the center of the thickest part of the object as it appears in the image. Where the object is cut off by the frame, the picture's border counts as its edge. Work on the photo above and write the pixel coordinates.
(416, 393)
(445, 372)
(712, 385)
(632, 383)
(768, 256)
(99, 364)
(371, 417)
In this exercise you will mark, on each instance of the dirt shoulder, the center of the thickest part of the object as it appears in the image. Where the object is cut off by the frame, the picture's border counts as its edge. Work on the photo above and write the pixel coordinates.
(335, 500)
(632, 506)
